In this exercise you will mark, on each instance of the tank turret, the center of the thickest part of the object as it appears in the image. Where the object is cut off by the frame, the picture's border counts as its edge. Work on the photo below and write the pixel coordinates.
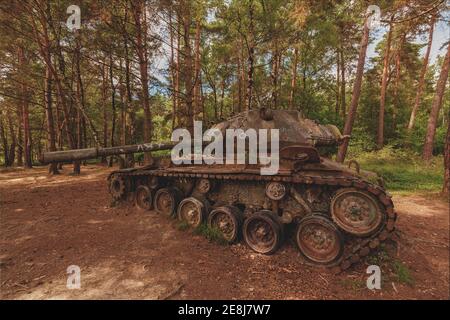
(294, 129)
(304, 134)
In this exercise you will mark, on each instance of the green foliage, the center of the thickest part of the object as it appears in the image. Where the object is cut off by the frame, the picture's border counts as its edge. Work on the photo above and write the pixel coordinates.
(402, 169)
(325, 35)
(210, 233)
(402, 273)
(398, 270)
(379, 257)
(353, 284)
(182, 225)
(161, 153)
(139, 157)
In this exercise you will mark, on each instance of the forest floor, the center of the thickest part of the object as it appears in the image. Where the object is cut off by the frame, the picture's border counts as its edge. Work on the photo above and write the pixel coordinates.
(49, 223)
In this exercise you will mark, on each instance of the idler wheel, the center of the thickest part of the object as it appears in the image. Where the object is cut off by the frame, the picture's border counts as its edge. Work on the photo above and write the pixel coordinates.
(117, 187)
(228, 220)
(319, 240)
(144, 198)
(262, 232)
(193, 211)
(166, 201)
(356, 212)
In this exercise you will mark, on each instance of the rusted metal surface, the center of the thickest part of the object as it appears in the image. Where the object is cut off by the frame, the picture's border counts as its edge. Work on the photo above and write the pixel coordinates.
(143, 197)
(356, 211)
(293, 128)
(262, 232)
(166, 201)
(228, 220)
(118, 185)
(340, 214)
(302, 181)
(192, 211)
(93, 153)
(319, 240)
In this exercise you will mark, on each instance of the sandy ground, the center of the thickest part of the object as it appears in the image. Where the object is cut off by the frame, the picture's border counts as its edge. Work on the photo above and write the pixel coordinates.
(49, 223)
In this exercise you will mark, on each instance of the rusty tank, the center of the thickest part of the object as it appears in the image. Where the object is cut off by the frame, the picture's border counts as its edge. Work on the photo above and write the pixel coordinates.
(335, 214)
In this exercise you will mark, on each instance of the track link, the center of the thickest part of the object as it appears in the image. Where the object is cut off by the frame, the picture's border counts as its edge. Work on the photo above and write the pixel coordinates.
(356, 252)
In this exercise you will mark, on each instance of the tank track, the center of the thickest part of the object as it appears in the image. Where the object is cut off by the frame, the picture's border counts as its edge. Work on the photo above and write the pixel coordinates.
(360, 249)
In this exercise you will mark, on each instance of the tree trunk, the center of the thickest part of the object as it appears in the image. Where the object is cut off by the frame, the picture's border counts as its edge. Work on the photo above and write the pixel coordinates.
(338, 85)
(239, 79)
(213, 87)
(380, 135)
(202, 100)
(177, 75)
(67, 122)
(436, 106)
(293, 79)
(172, 70)
(63, 88)
(446, 187)
(59, 127)
(123, 109)
(105, 112)
(25, 112)
(79, 101)
(343, 84)
(222, 97)
(51, 135)
(113, 106)
(356, 93)
(422, 76)
(4, 141)
(140, 21)
(188, 72)
(251, 56)
(396, 102)
(274, 75)
(12, 134)
(197, 82)
(19, 155)
(131, 118)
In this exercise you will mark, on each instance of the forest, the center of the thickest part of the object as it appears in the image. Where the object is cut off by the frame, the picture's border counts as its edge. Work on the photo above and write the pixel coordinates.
(358, 214)
(135, 70)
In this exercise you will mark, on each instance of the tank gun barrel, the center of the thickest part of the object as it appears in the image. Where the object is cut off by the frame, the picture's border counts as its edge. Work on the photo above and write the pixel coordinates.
(92, 153)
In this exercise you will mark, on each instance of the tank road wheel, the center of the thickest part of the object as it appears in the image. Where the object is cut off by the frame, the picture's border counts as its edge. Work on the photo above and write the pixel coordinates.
(144, 198)
(204, 186)
(193, 211)
(117, 187)
(319, 240)
(166, 201)
(228, 220)
(356, 212)
(262, 232)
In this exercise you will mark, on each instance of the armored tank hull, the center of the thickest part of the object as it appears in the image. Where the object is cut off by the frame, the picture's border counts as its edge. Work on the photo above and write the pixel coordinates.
(334, 214)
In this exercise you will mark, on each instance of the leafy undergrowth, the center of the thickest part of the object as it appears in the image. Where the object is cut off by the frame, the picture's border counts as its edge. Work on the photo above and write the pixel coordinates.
(402, 273)
(393, 271)
(397, 271)
(210, 233)
(403, 171)
(182, 225)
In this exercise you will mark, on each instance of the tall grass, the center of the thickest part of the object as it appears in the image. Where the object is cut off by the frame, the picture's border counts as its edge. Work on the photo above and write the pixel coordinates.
(403, 171)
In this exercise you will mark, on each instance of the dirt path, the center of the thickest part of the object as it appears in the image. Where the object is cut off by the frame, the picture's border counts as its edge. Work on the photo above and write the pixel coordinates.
(50, 223)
